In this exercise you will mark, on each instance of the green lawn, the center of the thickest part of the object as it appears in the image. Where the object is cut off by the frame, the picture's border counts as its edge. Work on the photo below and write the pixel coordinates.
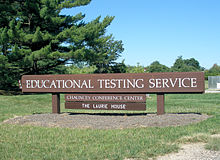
(206, 84)
(27, 142)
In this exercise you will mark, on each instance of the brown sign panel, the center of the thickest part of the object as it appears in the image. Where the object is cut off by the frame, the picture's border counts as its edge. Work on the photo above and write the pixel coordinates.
(170, 82)
(106, 97)
(105, 106)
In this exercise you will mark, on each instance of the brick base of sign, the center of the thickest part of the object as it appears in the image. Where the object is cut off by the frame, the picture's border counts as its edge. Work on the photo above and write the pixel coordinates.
(105, 106)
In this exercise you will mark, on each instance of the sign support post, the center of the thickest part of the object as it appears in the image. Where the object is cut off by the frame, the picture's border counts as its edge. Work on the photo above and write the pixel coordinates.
(56, 103)
(160, 104)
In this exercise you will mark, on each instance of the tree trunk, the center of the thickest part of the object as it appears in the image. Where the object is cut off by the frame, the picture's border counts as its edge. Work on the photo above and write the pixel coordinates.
(35, 68)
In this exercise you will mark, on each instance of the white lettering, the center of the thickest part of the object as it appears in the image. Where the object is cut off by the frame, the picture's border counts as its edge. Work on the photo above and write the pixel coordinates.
(53, 84)
(118, 106)
(158, 83)
(58, 83)
(133, 98)
(76, 84)
(84, 84)
(173, 83)
(151, 81)
(32, 83)
(100, 106)
(165, 83)
(141, 85)
(85, 105)
(177, 82)
(27, 83)
(193, 82)
(183, 84)
(119, 83)
(70, 84)
(100, 82)
(42, 84)
(131, 83)
(113, 84)
(90, 84)
(107, 83)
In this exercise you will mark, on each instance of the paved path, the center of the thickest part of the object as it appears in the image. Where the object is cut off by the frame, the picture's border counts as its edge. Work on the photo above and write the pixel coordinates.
(194, 151)
(212, 91)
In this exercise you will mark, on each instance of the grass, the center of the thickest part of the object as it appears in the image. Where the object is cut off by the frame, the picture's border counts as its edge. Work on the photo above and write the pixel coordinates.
(213, 144)
(206, 84)
(29, 142)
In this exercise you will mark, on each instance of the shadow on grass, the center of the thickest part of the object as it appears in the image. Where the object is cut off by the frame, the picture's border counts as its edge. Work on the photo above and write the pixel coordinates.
(126, 114)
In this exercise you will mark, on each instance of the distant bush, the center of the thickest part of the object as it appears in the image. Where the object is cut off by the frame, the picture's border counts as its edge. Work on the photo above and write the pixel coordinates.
(157, 67)
(135, 69)
(213, 71)
(186, 65)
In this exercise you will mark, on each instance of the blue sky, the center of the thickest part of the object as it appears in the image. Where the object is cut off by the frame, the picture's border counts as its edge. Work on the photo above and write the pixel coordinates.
(161, 29)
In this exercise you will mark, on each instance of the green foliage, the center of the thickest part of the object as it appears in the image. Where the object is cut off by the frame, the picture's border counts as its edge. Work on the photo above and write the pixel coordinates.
(157, 67)
(114, 67)
(7, 79)
(3, 70)
(74, 69)
(180, 65)
(118, 67)
(186, 65)
(82, 68)
(135, 69)
(36, 39)
(213, 71)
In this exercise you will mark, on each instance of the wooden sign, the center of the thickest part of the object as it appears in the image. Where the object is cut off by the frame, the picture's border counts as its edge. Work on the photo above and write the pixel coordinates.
(171, 82)
(105, 105)
(105, 98)
(123, 84)
(106, 101)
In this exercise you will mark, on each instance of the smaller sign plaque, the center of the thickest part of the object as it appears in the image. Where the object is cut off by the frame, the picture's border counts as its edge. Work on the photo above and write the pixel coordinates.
(105, 98)
(105, 106)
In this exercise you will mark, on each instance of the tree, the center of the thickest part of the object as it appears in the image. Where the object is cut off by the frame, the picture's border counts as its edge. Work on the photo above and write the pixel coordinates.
(135, 69)
(37, 39)
(186, 65)
(157, 67)
(213, 71)
(80, 69)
